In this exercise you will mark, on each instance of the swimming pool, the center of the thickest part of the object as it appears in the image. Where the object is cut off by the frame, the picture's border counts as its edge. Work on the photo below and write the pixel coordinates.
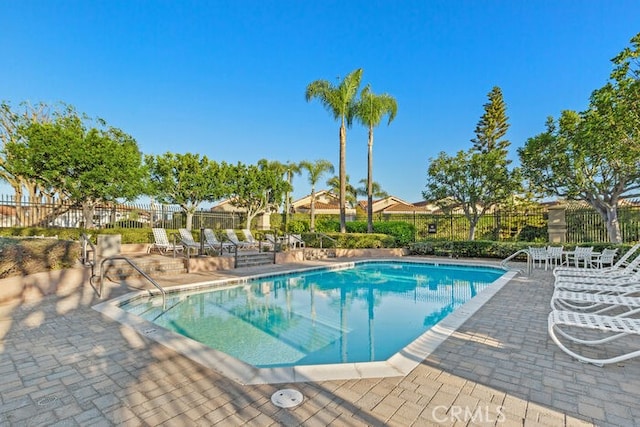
(284, 327)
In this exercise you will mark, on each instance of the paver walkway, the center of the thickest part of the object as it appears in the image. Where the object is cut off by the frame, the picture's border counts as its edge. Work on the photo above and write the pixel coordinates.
(62, 363)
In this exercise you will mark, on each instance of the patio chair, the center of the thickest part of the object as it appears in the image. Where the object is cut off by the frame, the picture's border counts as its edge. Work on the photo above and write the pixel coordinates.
(187, 241)
(623, 262)
(582, 254)
(212, 241)
(248, 237)
(556, 255)
(296, 241)
(539, 255)
(233, 238)
(605, 258)
(603, 329)
(161, 242)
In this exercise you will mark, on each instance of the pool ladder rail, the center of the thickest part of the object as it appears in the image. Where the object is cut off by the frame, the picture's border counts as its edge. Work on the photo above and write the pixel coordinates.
(504, 262)
(92, 263)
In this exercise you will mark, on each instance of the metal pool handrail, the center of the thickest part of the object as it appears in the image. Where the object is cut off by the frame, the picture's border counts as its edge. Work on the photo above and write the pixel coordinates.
(84, 239)
(135, 267)
(503, 263)
(322, 236)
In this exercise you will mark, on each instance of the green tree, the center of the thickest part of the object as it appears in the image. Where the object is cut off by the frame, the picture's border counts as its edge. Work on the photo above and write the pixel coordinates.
(376, 189)
(315, 171)
(258, 189)
(370, 110)
(351, 193)
(11, 124)
(594, 155)
(479, 179)
(187, 180)
(73, 159)
(493, 125)
(340, 102)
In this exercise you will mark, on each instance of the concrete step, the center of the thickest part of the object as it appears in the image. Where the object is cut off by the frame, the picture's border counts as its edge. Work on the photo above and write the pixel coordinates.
(254, 259)
(319, 253)
(153, 265)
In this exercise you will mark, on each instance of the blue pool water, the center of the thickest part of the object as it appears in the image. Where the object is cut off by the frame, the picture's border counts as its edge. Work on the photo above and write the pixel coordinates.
(360, 314)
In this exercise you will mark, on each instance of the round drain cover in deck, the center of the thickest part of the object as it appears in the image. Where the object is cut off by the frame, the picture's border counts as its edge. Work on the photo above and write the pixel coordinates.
(286, 398)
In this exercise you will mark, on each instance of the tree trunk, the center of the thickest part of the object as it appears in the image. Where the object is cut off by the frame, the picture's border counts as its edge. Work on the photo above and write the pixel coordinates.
(473, 218)
(312, 225)
(17, 197)
(613, 226)
(287, 206)
(370, 182)
(343, 177)
(609, 213)
(87, 214)
(189, 223)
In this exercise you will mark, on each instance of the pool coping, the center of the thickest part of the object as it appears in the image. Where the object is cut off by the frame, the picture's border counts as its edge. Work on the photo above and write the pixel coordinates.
(400, 364)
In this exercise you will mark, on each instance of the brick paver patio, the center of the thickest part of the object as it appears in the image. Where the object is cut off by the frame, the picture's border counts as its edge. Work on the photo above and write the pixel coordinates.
(62, 363)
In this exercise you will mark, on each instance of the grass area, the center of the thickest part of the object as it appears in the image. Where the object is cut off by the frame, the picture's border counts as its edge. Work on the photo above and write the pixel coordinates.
(20, 257)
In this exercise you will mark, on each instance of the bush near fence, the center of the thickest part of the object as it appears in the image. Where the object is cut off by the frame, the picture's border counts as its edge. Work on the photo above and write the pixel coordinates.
(583, 224)
(491, 249)
(350, 240)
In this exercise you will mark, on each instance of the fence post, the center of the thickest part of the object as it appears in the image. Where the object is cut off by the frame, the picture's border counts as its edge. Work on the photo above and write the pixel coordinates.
(557, 224)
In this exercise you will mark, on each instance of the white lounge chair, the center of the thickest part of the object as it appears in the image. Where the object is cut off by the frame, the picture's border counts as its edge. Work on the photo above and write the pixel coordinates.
(187, 241)
(604, 329)
(625, 277)
(595, 303)
(248, 237)
(608, 276)
(623, 262)
(233, 238)
(623, 288)
(212, 241)
(296, 241)
(162, 243)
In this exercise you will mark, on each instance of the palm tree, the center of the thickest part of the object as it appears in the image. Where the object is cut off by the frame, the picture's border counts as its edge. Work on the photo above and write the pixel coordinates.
(376, 188)
(290, 169)
(316, 170)
(369, 111)
(340, 101)
(351, 193)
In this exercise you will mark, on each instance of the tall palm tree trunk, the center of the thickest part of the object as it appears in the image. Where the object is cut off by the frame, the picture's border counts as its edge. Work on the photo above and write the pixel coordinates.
(343, 177)
(312, 225)
(370, 182)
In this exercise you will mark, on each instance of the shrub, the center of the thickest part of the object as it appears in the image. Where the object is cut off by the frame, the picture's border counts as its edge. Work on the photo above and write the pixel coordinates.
(298, 226)
(349, 240)
(327, 225)
(402, 232)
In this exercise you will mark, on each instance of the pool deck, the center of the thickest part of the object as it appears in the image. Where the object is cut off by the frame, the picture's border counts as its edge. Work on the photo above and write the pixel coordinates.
(63, 363)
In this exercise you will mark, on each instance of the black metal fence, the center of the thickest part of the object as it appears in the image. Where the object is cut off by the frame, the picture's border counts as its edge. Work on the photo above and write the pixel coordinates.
(586, 225)
(583, 224)
(48, 214)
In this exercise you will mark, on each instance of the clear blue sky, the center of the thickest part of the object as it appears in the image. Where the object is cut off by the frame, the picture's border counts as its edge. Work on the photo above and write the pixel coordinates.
(227, 79)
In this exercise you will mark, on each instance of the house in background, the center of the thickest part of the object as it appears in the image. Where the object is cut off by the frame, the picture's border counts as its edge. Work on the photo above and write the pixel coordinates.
(389, 205)
(262, 221)
(327, 203)
(227, 206)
